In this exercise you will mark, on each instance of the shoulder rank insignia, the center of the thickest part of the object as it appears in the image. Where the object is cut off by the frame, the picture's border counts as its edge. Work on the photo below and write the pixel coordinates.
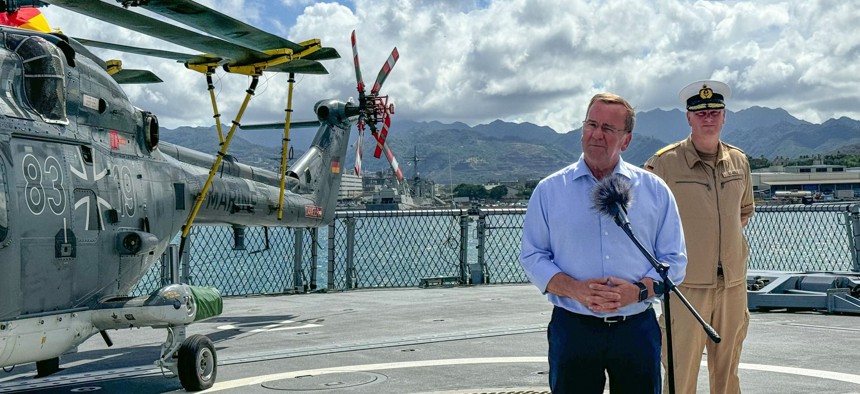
(667, 148)
(735, 148)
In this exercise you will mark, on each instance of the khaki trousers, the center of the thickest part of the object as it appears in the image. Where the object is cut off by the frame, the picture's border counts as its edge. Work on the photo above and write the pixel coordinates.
(725, 309)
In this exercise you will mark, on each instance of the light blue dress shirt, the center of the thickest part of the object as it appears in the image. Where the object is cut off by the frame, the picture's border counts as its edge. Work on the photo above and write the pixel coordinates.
(562, 232)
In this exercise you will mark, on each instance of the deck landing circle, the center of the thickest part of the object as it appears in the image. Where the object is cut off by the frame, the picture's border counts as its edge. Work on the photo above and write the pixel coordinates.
(327, 381)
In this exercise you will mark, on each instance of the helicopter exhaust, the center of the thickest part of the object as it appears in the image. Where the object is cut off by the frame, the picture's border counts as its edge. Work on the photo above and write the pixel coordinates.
(135, 242)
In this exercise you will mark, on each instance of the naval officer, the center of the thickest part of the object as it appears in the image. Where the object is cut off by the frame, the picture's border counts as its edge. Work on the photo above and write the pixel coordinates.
(600, 284)
(711, 181)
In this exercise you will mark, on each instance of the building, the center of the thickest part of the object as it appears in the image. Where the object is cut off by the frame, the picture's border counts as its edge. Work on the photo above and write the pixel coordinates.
(817, 178)
(350, 187)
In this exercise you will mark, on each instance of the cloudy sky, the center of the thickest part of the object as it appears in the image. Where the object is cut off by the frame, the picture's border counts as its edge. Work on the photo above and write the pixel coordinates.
(535, 61)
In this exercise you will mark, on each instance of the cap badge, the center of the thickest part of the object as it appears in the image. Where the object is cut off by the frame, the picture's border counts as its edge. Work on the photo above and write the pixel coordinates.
(706, 92)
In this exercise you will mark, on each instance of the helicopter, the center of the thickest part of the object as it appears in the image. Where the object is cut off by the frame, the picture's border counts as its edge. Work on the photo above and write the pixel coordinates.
(90, 197)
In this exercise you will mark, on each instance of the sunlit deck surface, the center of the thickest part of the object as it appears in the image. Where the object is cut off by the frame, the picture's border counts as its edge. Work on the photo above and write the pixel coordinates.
(479, 339)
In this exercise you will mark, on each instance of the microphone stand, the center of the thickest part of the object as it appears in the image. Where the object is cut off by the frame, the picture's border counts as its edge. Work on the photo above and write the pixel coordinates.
(669, 286)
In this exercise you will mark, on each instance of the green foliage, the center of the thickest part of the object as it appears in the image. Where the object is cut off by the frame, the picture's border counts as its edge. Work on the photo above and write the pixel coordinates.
(836, 159)
(498, 192)
(474, 192)
(842, 159)
(527, 191)
(760, 162)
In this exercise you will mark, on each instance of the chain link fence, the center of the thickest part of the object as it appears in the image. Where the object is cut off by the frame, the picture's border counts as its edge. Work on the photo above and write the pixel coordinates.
(378, 249)
(499, 234)
(817, 237)
(265, 261)
(371, 249)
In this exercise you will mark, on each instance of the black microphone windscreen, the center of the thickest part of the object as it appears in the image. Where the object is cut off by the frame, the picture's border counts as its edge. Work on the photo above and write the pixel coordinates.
(611, 194)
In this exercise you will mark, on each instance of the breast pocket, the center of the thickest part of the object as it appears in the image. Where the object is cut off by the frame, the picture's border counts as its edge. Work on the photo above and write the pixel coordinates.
(732, 183)
(692, 195)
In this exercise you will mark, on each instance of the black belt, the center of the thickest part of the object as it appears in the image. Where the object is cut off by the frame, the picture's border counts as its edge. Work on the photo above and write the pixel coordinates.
(612, 319)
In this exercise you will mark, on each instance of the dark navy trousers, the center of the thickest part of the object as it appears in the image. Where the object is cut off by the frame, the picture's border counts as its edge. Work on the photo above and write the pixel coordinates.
(584, 349)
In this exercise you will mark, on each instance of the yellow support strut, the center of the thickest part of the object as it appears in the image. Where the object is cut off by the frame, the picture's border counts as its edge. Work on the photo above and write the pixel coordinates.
(217, 163)
(217, 115)
(286, 144)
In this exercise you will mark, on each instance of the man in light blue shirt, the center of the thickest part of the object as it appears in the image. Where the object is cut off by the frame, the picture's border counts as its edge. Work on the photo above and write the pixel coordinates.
(600, 283)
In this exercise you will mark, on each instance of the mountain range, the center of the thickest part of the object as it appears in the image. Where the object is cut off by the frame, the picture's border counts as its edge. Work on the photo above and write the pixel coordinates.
(459, 153)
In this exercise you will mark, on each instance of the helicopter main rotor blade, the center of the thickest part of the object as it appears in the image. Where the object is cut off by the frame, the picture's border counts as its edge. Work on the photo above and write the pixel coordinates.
(129, 76)
(276, 125)
(235, 54)
(158, 29)
(300, 66)
(386, 69)
(219, 25)
(178, 56)
(226, 27)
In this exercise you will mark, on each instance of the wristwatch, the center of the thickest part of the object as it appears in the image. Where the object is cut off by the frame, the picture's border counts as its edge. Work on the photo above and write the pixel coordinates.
(643, 291)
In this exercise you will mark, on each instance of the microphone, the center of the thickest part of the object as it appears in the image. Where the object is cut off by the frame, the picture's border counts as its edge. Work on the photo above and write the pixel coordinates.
(611, 197)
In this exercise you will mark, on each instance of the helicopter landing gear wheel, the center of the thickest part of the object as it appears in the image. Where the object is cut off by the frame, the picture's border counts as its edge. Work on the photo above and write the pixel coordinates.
(198, 364)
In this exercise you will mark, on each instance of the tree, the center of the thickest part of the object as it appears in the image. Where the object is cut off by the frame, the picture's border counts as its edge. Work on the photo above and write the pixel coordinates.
(474, 192)
(760, 162)
(498, 192)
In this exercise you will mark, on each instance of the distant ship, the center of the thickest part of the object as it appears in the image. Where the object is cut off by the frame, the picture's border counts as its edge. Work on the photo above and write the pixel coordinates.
(396, 194)
(390, 199)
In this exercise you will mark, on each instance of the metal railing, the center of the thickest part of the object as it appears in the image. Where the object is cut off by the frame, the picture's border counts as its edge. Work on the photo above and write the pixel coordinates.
(819, 237)
(376, 249)
(370, 249)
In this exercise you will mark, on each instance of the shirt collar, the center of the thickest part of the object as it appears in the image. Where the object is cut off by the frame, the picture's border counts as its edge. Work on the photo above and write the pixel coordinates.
(581, 169)
(693, 157)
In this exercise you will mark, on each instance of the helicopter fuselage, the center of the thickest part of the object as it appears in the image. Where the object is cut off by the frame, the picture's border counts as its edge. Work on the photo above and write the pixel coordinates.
(89, 198)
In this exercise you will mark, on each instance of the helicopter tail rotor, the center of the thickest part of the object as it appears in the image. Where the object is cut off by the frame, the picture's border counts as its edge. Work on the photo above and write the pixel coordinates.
(361, 99)
(382, 135)
(374, 108)
(358, 143)
(380, 147)
(383, 73)
(358, 77)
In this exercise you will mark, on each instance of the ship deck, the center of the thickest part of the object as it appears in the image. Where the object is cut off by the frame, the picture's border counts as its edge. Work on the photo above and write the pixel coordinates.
(477, 339)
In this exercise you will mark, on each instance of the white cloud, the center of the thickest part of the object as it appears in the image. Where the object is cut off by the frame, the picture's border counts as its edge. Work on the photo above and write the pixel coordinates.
(537, 61)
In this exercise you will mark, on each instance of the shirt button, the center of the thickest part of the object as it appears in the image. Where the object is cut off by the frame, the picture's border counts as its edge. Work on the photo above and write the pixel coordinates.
(606, 233)
(607, 257)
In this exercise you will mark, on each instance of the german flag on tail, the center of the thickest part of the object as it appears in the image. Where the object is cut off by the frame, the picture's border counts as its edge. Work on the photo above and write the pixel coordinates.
(26, 18)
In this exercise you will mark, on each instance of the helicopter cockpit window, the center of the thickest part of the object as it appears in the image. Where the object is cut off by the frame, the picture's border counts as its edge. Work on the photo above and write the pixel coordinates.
(44, 84)
(4, 208)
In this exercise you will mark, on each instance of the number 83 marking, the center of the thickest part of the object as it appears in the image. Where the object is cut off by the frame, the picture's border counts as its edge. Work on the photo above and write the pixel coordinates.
(44, 185)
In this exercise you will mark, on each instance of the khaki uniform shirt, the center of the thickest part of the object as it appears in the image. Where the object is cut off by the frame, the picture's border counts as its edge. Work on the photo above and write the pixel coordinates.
(712, 203)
